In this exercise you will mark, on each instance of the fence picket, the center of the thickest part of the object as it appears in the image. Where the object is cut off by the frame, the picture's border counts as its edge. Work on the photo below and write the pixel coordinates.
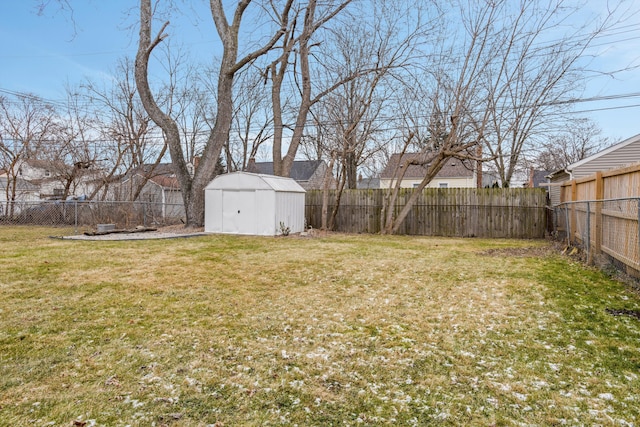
(455, 212)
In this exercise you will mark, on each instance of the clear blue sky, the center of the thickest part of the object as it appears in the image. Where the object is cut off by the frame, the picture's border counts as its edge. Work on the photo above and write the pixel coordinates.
(41, 53)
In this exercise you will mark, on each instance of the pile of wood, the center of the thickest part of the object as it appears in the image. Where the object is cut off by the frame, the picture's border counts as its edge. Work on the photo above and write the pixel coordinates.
(138, 229)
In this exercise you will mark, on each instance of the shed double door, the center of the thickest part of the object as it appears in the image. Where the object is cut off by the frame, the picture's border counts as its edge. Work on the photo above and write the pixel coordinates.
(239, 212)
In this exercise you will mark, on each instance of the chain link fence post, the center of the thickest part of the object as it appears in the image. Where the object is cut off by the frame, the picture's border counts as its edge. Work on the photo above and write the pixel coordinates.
(588, 241)
(75, 220)
(567, 223)
(638, 223)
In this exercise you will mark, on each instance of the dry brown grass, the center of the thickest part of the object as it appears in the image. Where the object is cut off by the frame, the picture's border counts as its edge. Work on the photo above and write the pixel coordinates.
(329, 330)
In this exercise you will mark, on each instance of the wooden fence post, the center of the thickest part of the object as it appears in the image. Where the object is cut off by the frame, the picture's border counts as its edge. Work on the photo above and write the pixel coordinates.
(597, 245)
(574, 198)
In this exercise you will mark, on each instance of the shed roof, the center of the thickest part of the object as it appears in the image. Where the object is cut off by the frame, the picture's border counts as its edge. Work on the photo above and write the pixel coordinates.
(254, 181)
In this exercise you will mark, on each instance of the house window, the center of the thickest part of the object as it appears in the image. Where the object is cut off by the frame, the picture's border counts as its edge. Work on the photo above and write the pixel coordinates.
(47, 173)
(58, 192)
(20, 171)
(443, 185)
(415, 185)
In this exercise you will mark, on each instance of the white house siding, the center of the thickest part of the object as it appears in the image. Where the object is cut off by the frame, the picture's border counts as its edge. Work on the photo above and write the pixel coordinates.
(622, 154)
(25, 195)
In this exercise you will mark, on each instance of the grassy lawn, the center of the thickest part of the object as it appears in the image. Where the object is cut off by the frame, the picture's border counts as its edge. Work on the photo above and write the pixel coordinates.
(337, 330)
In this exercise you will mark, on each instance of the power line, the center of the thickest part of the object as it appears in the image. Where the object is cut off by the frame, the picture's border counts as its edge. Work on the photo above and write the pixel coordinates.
(570, 101)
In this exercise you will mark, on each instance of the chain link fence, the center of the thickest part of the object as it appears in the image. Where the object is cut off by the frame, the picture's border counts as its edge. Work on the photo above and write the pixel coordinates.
(88, 214)
(602, 229)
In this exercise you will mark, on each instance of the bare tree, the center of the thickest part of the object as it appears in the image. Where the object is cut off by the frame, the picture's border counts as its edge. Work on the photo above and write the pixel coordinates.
(297, 47)
(445, 123)
(371, 70)
(530, 76)
(193, 186)
(127, 136)
(580, 139)
(252, 120)
(185, 98)
(26, 125)
(493, 86)
(451, 137)
(353, 126)
(72, 154)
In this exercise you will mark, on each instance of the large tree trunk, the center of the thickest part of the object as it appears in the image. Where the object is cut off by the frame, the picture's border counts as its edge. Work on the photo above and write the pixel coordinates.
(164, 121)
(193, 187)
(305, 103)
(282, 164)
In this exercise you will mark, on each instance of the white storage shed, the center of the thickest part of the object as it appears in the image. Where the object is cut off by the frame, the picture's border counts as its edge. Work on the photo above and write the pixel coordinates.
(249, 203)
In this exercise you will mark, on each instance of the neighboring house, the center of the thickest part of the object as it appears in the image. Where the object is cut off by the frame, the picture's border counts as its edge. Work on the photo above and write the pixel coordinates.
(618, 155)
(364, 183)
(157, 186)
(43, 175)
(455, 173)
(35, 169)
(308, 173)
(538, 178)
(50, 178)
(25, 192)
(554, 181)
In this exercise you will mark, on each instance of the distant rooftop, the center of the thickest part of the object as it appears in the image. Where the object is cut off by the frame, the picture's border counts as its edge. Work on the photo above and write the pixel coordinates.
(453, 168)
(301, 170)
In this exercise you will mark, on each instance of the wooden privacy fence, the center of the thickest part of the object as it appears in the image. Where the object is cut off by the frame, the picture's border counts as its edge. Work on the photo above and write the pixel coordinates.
(614, 184)
(455, 212)
(601, 213)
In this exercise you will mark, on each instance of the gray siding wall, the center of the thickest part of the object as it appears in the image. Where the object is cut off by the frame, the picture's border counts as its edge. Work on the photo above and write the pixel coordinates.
(623, 156)
(554, 188)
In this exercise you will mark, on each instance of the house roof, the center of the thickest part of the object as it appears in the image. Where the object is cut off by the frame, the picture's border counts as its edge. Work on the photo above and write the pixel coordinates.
(301, 170)
(44, 164)
(628, 141)
(453, 168)
(368, 183)
(160, 169)
(163, 174)
(166, 181)
(21, 184)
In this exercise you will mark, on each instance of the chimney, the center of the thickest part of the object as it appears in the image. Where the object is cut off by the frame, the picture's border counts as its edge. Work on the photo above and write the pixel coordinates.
(531, 173)
(479, 166)
(251, 165)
